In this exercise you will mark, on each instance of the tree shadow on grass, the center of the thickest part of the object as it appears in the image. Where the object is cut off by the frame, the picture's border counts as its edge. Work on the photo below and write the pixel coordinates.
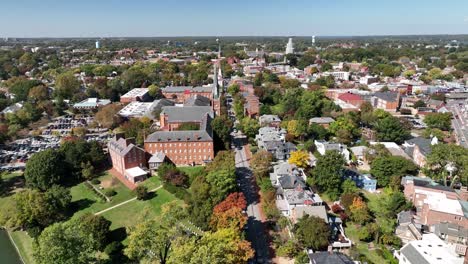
(81, 205)
(7, 186)
(119, 234)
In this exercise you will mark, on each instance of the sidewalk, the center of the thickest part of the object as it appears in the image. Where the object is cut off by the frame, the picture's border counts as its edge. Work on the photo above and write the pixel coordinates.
(124, 202)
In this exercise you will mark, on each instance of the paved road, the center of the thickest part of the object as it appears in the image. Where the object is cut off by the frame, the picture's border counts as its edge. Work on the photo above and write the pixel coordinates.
(255, 229)
(460, 125)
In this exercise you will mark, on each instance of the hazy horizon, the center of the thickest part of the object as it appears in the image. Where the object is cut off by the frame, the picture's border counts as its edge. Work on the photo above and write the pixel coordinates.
(145, 18)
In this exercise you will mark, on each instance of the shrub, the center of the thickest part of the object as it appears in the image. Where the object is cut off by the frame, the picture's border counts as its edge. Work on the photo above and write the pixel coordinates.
(141, 192)
(95, 181)
(178, 192)
(336, 208)
(110, 192)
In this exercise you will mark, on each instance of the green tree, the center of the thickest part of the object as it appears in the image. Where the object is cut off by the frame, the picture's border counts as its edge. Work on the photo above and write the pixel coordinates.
(444, 157)
(154, 91)
(45, 169)
(222, 246)
(384, 168)
(390, 129)
(326, 175)
(64, 243)
(97, 226)
(141, 192)
(439, 120)
(66, 85)
(222, 127)
(249, 127)
(419, 103)
(150, 241)
(312, 232)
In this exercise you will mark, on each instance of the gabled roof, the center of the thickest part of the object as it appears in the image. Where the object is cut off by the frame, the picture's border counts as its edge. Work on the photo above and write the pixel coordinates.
(387, 96)
(424, 145)
(197, 100)
(329, 258)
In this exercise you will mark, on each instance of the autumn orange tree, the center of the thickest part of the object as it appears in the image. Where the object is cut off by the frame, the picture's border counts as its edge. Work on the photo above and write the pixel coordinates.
(359, 211)
(229, 212)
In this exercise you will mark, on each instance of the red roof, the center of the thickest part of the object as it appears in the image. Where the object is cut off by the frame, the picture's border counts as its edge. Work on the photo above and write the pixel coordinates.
(349, 97)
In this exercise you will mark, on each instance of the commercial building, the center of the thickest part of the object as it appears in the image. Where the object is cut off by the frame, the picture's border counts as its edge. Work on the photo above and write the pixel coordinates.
(91, 103)
(141, 109)
(431, 250)
(136, 95)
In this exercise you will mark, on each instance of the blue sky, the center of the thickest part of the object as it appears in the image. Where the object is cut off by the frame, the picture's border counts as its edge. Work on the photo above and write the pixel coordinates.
(112, 18)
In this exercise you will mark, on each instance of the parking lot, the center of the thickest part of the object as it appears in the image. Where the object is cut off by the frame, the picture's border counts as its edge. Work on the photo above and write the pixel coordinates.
(13, 156)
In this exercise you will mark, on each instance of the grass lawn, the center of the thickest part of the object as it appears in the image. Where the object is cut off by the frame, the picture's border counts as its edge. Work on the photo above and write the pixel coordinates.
(24, 243)
(86, 200)
(362, 247)
(192, 171)
(130, 213)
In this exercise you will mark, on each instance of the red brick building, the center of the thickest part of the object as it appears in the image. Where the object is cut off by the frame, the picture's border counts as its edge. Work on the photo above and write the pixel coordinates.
(350, 98)
(125, 156)
(388, 101)
(187, 147)
(180, 94)
(436, 203)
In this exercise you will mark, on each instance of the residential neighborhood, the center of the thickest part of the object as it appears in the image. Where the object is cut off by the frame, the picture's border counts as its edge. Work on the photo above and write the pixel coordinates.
(273, 148)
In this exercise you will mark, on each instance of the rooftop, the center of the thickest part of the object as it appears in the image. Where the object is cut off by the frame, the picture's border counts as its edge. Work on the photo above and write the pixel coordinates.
(186, 113)
(186, 89)
(430, 250)
(135, 172)
(322, 120)
(136, 92)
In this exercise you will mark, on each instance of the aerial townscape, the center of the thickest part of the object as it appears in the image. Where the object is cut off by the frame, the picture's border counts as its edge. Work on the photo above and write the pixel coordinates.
(211, 148)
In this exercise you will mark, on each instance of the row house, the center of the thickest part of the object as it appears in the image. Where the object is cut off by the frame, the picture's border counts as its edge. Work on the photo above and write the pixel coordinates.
(272, 140)
(324, 146)
(269, 120)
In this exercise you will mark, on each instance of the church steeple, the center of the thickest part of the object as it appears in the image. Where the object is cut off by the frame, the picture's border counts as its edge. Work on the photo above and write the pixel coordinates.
(215, 82)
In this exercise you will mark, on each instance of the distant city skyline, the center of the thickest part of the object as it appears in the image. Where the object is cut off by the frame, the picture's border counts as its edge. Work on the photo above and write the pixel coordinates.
(145, 18)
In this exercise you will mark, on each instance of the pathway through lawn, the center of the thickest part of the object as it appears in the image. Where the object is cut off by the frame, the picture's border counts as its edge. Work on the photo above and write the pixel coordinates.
(124, 202)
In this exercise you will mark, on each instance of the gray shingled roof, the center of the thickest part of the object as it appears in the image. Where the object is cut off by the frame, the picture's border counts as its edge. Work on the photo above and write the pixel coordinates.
(291, 182)
(424, 144)
(330, 258)
(179, 136)
(412, 255)
(186, 113)
(197, 100)
(387, 96)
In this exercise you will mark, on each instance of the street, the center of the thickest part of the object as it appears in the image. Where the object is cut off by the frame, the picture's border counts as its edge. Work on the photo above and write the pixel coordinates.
(255, 229)
(459, 124)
